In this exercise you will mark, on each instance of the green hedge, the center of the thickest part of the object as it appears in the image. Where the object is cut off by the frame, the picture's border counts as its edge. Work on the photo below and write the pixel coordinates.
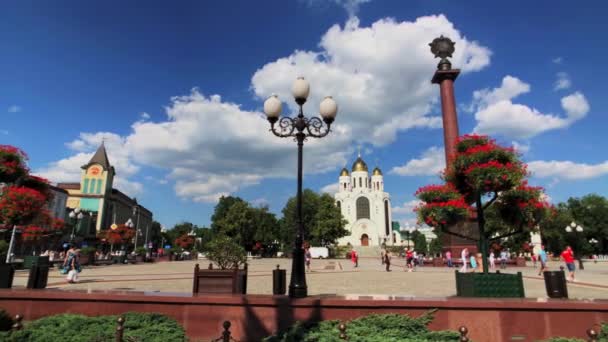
(142, 327)
(371, 328)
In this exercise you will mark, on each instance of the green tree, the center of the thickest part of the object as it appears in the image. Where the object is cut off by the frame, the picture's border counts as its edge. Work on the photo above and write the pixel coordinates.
(180, 229)
(322, 219)
(221, 210)
(419, 241)
(225, 252)
(435, 247)
(155, 233)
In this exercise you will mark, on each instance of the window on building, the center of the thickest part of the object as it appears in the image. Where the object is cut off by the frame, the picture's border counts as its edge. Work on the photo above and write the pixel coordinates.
(339, 205)
(360, 182)
(354, 183)
(85, 186)
(386, 225)
(99, 186)
(366, 182)
(362, 208)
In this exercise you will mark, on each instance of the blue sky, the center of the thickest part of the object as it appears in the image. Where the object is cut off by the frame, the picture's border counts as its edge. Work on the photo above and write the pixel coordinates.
(176, 92)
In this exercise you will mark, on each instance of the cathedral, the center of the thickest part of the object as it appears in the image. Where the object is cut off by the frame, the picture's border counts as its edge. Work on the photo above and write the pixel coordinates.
(366, 207)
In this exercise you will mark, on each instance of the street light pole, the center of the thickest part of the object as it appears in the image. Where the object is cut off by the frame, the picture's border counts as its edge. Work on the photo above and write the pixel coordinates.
(77, 215)
(299, 128)
(576, 229)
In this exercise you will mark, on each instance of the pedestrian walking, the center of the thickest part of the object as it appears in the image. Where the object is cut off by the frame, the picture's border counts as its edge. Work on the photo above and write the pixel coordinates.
(409, 260)
(503, 259)
(307, 258)
(354, 258)
(473, 263)
(568, 257)
(382, 253)
(492, 260)
(448, 257)
(463, 257)
(533, 257)
(387, 261)
(71, 265)
(542, 257)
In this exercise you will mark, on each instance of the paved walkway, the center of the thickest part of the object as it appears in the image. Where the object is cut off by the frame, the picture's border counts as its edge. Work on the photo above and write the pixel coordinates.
(327, 277)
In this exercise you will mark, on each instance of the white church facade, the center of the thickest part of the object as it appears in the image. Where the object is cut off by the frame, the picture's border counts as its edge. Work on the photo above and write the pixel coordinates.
(366, 206)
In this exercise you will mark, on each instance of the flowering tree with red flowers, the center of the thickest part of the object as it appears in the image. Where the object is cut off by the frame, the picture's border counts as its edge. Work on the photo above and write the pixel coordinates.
(122, 234)
(482, 175)
(185, 241)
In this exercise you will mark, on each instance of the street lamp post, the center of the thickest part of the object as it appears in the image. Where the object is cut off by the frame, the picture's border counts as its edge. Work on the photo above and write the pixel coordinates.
(130, 225)
(300, 128)
(78, 215)
(576, 229)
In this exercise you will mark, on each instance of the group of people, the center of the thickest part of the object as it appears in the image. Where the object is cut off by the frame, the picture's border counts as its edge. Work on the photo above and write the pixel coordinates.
(412, 259)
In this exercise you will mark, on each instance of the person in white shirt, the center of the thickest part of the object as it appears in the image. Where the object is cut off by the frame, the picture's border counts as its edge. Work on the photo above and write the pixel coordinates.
(492, 260)
(463, 256)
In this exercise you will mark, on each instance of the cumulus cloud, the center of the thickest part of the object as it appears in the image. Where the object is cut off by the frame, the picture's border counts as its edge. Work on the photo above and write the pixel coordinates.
(557, 60)
(562, 82)
(567, 169)
(331, 188)
(379, 75)
(430, 163)
(521, 148)
(14, 109)
(497, 114)
(406, 208)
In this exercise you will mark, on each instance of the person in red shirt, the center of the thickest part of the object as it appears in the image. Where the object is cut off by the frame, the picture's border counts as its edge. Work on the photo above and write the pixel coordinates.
(409, 258)
(568, 257)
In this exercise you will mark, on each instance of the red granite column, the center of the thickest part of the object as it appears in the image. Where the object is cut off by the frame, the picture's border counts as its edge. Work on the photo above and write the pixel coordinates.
(445, 79)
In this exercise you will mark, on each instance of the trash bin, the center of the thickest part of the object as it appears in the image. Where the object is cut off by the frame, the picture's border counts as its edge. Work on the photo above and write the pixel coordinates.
(555, 283)
(279, 281)
(39, 275)
(7, 273)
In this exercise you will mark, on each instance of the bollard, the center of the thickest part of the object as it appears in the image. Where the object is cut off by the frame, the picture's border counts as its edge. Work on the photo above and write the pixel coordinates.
(226, 334)
(120, 329)
(463, 334)
(210, 266)
(342, 328)
(279, 281)
(592, 334)
(17, 325)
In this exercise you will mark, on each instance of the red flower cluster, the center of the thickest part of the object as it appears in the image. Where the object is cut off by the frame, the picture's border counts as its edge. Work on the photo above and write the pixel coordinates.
(491, 164)
(457, 203)
(121, 234)
(19, 204)
(184, 241)
(443, 188)
(33, 233)
(474, 137)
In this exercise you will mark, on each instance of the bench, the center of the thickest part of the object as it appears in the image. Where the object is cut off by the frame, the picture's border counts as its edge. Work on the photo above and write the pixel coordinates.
(219, 281)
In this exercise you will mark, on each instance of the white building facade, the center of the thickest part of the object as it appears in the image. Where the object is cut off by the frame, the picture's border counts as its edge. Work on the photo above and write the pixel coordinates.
(366, 206)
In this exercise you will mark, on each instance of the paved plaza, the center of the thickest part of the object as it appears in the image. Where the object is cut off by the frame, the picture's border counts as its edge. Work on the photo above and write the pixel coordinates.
(327, 277)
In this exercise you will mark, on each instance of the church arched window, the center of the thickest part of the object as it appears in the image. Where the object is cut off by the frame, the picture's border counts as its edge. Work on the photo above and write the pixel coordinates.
(360, 182)
(339, 205)
(386, 223)
(362, 208)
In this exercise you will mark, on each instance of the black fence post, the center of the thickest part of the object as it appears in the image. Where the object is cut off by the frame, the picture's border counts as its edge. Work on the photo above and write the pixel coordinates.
(17, 325)
(463, 334)
(226, 334)
(120, 329)
(342, 328)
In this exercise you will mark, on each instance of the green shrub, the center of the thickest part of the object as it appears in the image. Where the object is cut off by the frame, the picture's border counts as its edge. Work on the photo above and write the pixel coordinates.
(338, 252)
(371, 328)
(226, 253)
(87, 250)
(78, 328)
(141, 251)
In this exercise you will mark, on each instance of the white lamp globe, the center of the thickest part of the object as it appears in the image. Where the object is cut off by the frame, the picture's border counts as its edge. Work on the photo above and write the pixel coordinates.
(77, 210)
(72, 214)
(328, 108)
(572, 224)
(300, 90)
(568, 229)
(579, 228)
(80, 216)
(272, 107)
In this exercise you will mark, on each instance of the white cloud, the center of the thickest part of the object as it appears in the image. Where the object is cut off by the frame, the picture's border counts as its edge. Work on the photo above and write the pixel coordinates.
(407, 207)
(567, 169)
(557, 60)
(430, 163)
(260, 202)
(562, 82)
(331, 188)
(14, 109)
(521, 148)
(379, 75)
(497, 114)
(350, 6)
(144, 116)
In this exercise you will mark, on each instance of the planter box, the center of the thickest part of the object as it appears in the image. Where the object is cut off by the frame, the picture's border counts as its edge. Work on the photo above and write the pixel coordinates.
(520, 261)
(7, 274)
(219, 281)
(495, 285)
(438, 262)
(30, 260)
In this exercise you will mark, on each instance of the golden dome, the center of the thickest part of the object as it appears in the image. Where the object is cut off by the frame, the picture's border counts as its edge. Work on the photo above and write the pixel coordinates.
(359, 165)
(377, 172)
(344, 172)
